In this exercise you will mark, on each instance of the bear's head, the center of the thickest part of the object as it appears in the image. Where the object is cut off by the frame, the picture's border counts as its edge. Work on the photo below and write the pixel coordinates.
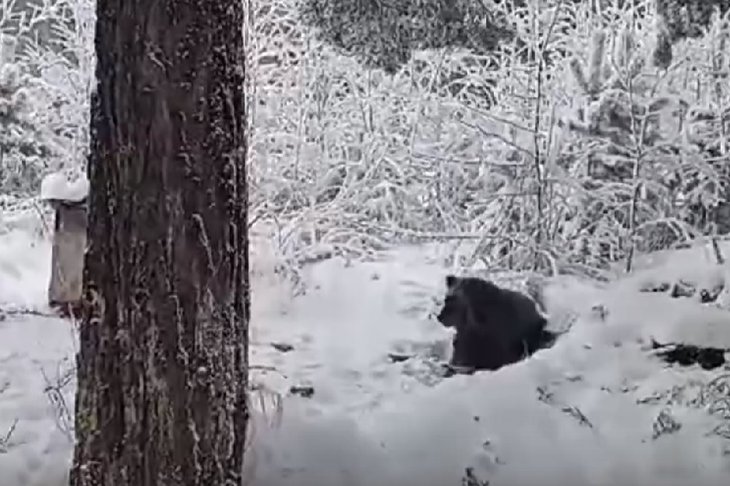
(455, 309)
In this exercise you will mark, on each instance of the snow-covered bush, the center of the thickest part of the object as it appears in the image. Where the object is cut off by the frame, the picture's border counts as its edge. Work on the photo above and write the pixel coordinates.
(44, 91)
(683, 19)
(23, 148)
(65, 66)
(625, 176)
(649, 179)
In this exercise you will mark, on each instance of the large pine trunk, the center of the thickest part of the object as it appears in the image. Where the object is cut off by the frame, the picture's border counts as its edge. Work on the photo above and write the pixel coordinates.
(162, 365)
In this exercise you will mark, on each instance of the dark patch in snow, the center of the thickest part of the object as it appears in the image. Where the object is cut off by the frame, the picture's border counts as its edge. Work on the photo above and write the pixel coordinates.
(471, 479)
(687, 355)
(711, 295)
(282, 347)
(398, 358)
(655, 287)
(683, 289)
(664, 424)
(451, 370)
(686, 289)
(302, 390)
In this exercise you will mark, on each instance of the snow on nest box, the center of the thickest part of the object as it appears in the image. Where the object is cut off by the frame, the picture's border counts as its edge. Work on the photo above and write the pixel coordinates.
(67, 192)
(65, 187)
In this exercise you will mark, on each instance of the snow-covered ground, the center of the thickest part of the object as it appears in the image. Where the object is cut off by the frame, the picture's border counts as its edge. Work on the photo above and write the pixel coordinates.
(596, 409)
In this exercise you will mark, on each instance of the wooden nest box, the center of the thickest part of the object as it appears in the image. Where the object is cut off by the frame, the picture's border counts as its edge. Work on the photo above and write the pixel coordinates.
(69, 245)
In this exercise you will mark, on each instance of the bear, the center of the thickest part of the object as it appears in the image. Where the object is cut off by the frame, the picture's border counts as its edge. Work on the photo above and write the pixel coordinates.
(494, 326)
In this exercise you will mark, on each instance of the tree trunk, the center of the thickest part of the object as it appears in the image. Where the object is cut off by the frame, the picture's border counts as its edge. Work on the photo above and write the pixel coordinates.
(162, 365)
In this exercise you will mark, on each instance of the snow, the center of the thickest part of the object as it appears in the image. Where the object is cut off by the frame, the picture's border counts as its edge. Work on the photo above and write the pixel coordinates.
(65, 186)
(586, 411)
(35, 352)
(25, 265)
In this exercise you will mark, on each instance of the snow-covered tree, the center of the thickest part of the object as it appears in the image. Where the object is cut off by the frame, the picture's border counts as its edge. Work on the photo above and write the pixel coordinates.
(683, 19)
(384, 34)
(25, 148)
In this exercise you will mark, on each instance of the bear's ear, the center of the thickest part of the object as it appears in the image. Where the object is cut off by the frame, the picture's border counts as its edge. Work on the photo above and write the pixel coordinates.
(451, 281)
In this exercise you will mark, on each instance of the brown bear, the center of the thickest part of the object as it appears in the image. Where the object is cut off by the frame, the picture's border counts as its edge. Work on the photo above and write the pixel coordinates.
(494, 326)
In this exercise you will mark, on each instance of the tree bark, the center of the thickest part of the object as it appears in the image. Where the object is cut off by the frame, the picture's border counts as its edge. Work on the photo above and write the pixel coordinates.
(162, 364)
